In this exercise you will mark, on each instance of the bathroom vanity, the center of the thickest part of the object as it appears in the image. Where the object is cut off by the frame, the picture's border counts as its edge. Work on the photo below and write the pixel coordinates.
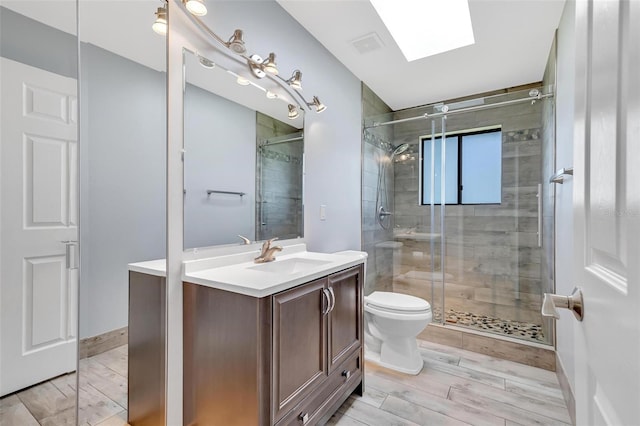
(279, 343)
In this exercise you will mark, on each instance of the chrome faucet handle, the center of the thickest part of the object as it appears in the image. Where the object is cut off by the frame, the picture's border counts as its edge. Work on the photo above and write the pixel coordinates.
(245, 240)
(266, 245)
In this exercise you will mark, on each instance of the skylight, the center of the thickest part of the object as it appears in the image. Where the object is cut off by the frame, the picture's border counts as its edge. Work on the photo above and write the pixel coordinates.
(424, 28)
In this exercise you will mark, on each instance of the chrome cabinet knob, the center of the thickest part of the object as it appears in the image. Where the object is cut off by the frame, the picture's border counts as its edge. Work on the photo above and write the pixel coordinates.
(574, 302)
(346, 374)
(304, 418)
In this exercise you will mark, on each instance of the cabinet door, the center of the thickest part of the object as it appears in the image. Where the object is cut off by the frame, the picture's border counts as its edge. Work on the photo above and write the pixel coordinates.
(345, 319)
(299, 344)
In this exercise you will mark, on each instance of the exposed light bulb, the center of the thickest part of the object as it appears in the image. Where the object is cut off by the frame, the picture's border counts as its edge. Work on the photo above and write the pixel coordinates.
(196, 7)
(271, 95)
(319, 105)
(207, 63)
(296, 80)
(160, 24)
(269, 64)
(293, 112)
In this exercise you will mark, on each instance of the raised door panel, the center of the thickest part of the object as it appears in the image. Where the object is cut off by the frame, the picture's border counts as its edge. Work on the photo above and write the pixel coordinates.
(299, 345)
(345, 319)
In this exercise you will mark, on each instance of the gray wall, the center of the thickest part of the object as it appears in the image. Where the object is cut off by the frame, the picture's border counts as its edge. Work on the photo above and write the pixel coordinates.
(21, 39)
(122, 179)
(564, 193)
(220, 154)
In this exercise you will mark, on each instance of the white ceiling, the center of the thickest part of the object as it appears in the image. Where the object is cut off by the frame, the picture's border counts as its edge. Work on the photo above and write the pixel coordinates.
(513, 39)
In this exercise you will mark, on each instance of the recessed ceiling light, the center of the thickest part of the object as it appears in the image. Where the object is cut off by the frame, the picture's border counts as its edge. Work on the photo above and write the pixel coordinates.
(427, 27)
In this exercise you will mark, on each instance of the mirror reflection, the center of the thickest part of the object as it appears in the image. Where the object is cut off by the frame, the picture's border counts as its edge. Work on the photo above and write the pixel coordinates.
(39, 201)
(243, 167)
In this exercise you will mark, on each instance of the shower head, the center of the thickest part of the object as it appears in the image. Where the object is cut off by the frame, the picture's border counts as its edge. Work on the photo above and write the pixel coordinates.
(399, 149)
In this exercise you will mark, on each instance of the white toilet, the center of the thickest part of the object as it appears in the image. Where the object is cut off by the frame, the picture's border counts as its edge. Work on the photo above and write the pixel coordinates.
(392, 322)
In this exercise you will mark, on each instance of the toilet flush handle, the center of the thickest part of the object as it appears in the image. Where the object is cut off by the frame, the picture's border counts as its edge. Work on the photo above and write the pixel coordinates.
(574, 302)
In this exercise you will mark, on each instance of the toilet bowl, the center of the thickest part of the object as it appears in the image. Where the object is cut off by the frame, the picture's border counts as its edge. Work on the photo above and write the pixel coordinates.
(392, 322)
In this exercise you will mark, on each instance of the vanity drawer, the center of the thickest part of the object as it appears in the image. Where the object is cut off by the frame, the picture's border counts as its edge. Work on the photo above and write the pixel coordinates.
(312, 408)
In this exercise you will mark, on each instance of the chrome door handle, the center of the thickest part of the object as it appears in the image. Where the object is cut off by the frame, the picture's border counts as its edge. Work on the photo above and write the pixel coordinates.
(574, 302)
(67, 253)
(559, 176)
(333, 299)
(326, 301)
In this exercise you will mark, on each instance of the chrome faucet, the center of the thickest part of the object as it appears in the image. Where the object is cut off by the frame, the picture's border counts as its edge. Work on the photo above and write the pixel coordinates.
(267, 253)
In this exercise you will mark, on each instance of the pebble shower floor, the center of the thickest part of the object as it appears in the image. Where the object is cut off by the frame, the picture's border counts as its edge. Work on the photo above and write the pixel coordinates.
(517, 329)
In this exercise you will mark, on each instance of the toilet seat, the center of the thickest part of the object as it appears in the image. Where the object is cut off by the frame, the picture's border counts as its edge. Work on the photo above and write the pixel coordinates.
(397, 303)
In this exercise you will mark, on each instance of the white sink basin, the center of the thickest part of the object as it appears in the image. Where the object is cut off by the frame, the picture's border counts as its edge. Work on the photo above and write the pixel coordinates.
(236, 272)
(292, 265)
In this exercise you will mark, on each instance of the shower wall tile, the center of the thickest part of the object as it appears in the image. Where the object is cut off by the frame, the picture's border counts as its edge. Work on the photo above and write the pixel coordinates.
(379, 272)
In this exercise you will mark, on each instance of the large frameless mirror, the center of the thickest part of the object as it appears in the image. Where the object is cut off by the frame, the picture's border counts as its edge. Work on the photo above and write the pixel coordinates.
(39, 211)
(123, 191)
(243, 159)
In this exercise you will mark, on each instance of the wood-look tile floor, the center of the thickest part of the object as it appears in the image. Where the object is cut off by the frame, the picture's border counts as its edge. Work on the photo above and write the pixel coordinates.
(455, 387)
(103, 396)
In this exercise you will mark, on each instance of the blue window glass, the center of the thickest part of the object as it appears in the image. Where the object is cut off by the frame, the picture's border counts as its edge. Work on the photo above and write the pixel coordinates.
(473, 172)
(482, 168)
(451, 170)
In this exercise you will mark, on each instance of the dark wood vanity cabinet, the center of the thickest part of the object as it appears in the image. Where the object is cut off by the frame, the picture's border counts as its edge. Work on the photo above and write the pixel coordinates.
(291, 358)
(146, 360)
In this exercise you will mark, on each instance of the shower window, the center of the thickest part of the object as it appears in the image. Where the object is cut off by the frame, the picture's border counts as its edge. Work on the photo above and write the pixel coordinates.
(473, 168)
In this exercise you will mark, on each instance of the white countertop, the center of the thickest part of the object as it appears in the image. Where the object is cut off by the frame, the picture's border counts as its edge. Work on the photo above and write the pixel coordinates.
(151, 267)
(239, 274)
(236, 272)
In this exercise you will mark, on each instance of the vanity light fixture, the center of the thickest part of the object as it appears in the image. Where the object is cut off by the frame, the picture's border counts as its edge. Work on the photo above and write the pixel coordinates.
(160, 24)
(197, 7)
(259, 67)
(236, 44)
(269, 64)
(293, 112)
(296, 80)
(317, 104)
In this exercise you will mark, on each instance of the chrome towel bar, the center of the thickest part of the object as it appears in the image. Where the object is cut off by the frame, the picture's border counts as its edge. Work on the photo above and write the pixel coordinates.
(212, 191)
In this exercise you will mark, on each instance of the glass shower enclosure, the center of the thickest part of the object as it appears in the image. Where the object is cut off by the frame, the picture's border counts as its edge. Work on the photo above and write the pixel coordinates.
(460, 223)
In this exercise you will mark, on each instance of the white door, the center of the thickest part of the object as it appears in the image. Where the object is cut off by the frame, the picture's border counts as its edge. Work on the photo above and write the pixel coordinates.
(607, 211)
(38, 210)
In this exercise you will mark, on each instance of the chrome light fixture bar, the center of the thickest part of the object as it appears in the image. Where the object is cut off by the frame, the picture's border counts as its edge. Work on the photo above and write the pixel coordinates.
(259, 67)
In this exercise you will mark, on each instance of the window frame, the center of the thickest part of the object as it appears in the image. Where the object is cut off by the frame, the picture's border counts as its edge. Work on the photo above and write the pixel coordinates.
(459, 135)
